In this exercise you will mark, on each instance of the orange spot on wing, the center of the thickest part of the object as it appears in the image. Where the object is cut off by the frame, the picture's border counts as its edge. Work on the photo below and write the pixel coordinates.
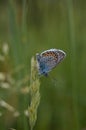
(52, 54)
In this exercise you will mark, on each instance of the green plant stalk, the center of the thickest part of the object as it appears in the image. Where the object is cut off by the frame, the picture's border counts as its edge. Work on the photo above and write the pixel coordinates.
(14, 32)
(73, 64)
(18, 50)
(34, 93)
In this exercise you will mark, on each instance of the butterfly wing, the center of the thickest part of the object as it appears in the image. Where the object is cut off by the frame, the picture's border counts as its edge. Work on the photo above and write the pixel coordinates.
(49, 59)
(52, 57)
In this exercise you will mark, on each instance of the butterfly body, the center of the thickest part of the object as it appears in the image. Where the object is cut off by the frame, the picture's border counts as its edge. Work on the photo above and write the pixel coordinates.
(48, 60)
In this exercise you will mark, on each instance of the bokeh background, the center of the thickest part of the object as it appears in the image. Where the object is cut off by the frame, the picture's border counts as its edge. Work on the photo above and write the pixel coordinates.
(28, 27)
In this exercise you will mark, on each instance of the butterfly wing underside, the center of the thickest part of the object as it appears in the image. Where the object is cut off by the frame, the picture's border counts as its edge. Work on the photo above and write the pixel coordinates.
(49, 59)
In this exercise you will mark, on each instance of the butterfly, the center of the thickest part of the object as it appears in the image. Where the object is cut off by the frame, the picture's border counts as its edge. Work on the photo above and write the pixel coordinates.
(49, 59)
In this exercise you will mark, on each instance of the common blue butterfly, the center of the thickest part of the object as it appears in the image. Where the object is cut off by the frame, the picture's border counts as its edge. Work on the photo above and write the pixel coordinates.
(49, 59)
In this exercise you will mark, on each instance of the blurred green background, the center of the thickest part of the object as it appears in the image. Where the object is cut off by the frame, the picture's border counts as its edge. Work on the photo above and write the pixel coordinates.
(28, 27)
